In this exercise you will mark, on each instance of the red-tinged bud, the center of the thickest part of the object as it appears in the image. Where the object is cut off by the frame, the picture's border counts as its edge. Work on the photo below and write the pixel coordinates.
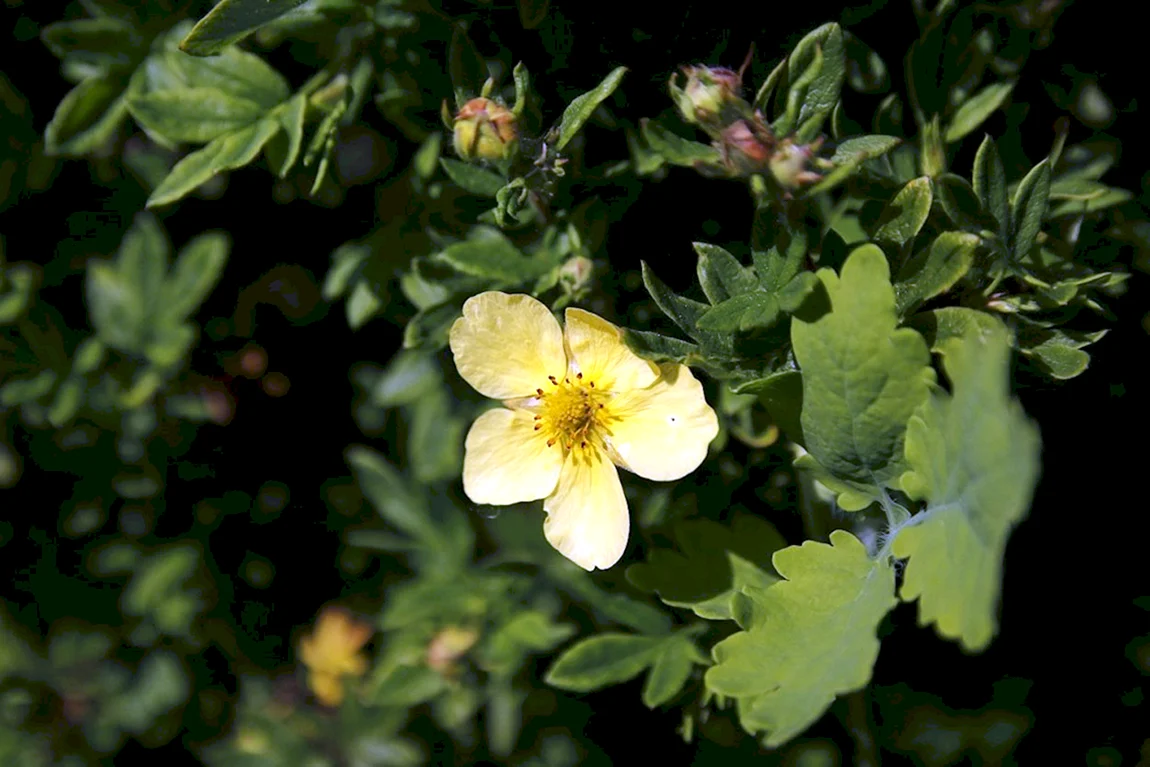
(707, 93)
(746, 147)
(485, 130)
(789, 164)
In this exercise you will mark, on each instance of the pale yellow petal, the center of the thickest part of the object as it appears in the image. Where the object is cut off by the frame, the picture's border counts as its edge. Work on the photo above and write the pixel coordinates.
(507, 461)
(598, 351)
(506, 346)
(328, 688)
(587, 519)
(662, 432)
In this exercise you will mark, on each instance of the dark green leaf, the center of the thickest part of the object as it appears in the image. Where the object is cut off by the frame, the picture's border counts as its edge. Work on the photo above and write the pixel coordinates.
(602, 660)
(904, 216)
(849, 157)
(428, 329)
(195, 115)
(975, 110)
(231, 21)
(935, 269)
(579, 111)
(86, 117)
(391, 495)
(472, 178)
(105, 42)
(749, 311)
(1029, 207)
(491, 256)
(670, 671)
(195, 273)
(721, 275)
(940, 325)
(466, 67)
(684, 312)
(362, 304)
(291, 117)
(233, 150)
(676, 149)
(820, 94)
(990, 184)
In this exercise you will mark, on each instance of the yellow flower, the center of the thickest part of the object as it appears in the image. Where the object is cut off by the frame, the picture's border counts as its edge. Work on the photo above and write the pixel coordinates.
(577, 404)
(332, 651)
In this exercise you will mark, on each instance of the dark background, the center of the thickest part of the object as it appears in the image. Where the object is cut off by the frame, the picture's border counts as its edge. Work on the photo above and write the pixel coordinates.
(1073, 568)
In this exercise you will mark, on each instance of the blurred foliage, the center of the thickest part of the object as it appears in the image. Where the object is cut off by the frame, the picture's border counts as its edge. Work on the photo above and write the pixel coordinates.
(195, 570)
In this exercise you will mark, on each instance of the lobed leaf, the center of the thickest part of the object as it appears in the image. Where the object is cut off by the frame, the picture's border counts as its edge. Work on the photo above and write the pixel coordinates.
(973, 456)
(862, 378)
(814, 637)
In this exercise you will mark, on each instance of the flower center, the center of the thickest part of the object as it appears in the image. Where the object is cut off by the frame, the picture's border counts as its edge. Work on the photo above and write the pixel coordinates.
(571, 413)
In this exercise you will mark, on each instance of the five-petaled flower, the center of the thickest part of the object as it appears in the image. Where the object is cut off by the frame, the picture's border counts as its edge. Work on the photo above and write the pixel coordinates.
(577, 403)
(332, 652)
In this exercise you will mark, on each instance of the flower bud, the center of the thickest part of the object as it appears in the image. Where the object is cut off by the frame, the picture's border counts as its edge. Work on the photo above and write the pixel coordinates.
(485, 130)
(707, 92)
(576, 273)
(788, 164)
(746, 147)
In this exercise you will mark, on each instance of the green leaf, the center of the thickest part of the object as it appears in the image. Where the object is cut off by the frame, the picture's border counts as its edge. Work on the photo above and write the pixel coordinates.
(465, 65)
(717, 564)
(990, 184)
(530, 631)
(405, 686)
(849, 157)
(862, 378)
(676, 149)
(1029, 207)
(116, 312)
(488, 254)
(684, 312)
(231, 21)
(195, 115)
(814, 637)
(602, 660)
(362, 304)
(742, 313)
(935, 269)
(291, 118)
(228, 152)
(195, 273)
(721, 275)
(238, 73)
(973, 455)
(391, 495)
(671, 670)
(1057, 352)
(1099, 197)
(472, 178)
(428, 329)
(904, 215)
(86, 117)
(17, 391)
(975, 110)
(819, 93)
(579, 111)
(408, 377)
(435, 441)
(104, 43)
(938, 326)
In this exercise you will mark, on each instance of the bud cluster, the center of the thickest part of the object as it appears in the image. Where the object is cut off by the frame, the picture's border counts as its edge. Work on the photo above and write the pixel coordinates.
(712, 99)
